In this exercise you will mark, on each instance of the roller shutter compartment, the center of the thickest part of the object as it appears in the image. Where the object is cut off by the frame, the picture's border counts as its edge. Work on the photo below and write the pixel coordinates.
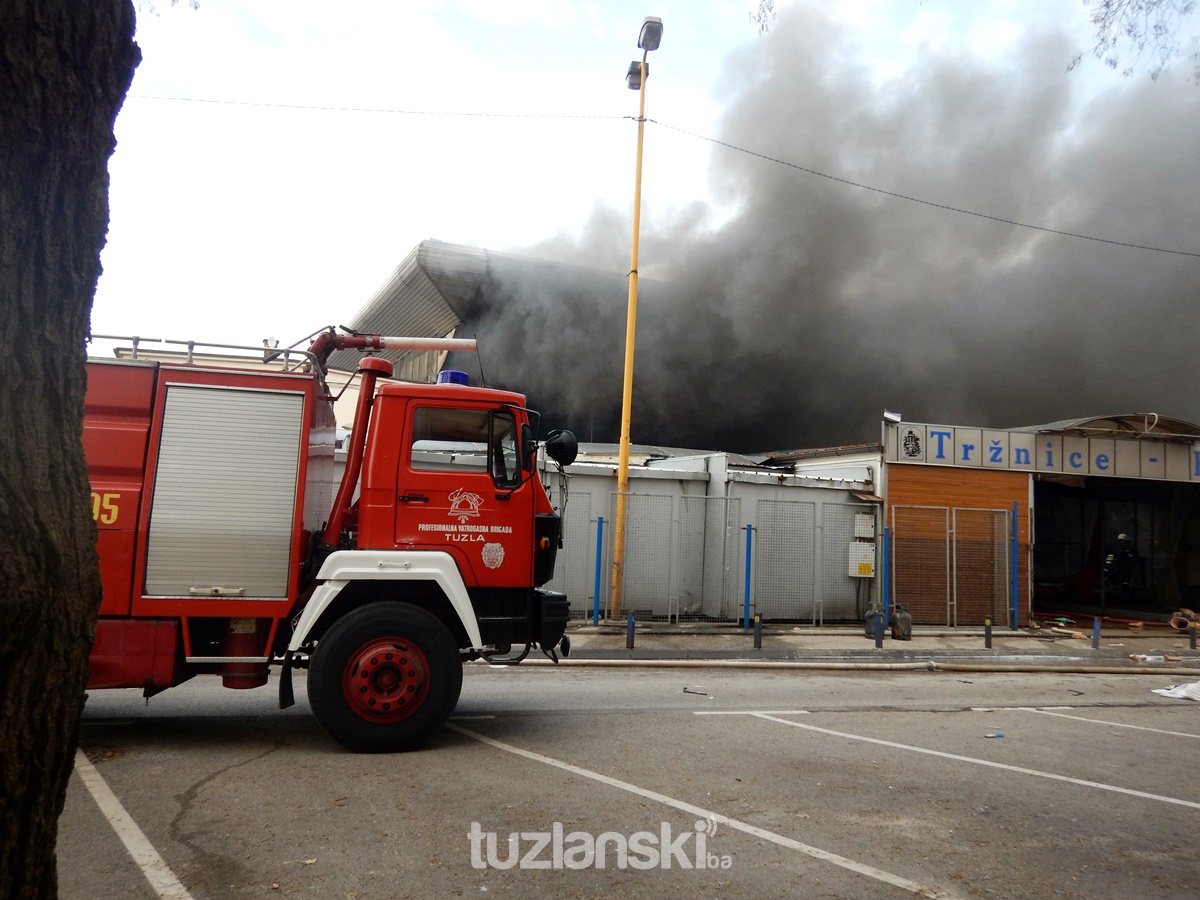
(224, 493)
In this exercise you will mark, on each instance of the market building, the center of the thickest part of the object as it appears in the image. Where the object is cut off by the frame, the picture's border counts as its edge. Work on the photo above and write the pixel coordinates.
(1090, 516)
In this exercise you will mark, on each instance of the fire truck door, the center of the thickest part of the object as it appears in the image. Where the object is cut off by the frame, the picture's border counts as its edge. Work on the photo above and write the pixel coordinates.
(460, 489)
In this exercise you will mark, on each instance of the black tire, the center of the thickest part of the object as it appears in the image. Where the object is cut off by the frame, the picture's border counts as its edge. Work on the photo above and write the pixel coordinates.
(384, 678)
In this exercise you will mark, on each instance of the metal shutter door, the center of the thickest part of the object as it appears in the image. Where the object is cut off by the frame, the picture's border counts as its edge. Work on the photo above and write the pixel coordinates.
(224, 493)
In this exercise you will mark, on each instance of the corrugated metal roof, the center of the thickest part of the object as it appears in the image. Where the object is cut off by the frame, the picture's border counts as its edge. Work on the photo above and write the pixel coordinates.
(425, 297)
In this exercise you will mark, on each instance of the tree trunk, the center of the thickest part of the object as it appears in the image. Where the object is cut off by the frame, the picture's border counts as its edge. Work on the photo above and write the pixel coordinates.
(65, 66)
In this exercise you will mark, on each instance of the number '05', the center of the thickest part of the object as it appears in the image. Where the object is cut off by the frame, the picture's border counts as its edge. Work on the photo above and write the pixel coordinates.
(104, 508)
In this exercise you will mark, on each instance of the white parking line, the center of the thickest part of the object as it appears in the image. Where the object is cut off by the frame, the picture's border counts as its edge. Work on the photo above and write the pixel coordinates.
(981, 762)
(742, 712)
(921, 890)
(1047, 712)
(161, 878)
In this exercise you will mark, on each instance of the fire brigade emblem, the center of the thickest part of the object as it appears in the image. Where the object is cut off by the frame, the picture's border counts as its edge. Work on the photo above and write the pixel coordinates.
(493, 555)
(464, 505)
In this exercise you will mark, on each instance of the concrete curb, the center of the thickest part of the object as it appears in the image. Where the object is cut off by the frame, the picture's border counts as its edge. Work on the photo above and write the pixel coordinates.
(847, 647)
(833, 665)
(1077, 654)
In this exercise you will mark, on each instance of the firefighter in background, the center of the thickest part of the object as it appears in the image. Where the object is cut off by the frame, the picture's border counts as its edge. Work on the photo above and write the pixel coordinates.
(1120, 567)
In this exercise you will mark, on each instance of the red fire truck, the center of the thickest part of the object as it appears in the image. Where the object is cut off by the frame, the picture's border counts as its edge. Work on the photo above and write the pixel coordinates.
(227, 545)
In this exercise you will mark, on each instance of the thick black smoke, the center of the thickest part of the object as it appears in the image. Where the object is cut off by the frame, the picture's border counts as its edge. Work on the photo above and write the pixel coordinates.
(796, 321)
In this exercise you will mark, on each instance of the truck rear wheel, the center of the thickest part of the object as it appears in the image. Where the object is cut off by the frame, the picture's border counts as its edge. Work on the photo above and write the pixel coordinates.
(384, 677)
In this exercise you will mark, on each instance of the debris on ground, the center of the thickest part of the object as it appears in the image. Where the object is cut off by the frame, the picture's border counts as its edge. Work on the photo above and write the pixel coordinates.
(1187, 691)
(1183, 619)
(1067, 632)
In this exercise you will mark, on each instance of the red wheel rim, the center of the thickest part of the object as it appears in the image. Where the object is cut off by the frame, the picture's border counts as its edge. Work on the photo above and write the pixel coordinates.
(386, 680)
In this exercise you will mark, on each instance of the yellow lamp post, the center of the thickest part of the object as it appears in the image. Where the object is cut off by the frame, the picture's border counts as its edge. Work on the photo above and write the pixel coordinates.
(648, 39)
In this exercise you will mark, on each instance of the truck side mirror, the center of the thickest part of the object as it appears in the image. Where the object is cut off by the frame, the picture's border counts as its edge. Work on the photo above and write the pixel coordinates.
(528, 447)
(562, 447)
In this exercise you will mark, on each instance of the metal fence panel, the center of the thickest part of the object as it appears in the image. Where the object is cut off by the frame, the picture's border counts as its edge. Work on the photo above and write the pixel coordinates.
(841, 596)
(981, 556)
(951, 565)
(921, 562)
(646, 588)
(784, 554)
(575, 566)
(692, 529)
(685, 558)
(708, 558)
(722, 555)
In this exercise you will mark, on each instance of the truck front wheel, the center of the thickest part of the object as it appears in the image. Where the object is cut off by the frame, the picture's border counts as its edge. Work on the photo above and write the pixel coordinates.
(384, 678)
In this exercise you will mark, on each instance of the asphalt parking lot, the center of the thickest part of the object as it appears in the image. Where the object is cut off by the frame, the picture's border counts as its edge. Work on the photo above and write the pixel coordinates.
(579, 782)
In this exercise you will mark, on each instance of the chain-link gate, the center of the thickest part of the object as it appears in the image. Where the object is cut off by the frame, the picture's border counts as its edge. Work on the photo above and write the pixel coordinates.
(951, 565)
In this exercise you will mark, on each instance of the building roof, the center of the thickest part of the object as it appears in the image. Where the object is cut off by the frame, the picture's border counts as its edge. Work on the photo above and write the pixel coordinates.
(786, 457)
(1124, 425)
(438, 286)
(643, 454)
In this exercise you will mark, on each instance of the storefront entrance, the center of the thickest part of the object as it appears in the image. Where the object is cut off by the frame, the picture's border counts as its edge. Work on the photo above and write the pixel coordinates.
(1124, 548)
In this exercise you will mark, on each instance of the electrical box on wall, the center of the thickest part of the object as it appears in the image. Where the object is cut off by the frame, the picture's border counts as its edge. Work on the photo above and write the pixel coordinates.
(864, 526)
(862, 560)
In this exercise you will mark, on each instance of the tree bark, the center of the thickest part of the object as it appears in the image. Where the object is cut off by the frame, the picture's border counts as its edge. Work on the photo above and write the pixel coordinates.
(65, 66)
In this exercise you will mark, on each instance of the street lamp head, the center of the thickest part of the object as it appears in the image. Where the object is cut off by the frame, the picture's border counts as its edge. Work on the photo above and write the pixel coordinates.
(651, 33)
(633, 78)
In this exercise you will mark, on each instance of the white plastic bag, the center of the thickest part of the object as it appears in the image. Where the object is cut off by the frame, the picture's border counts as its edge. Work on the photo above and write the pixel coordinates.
(1189, 691)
